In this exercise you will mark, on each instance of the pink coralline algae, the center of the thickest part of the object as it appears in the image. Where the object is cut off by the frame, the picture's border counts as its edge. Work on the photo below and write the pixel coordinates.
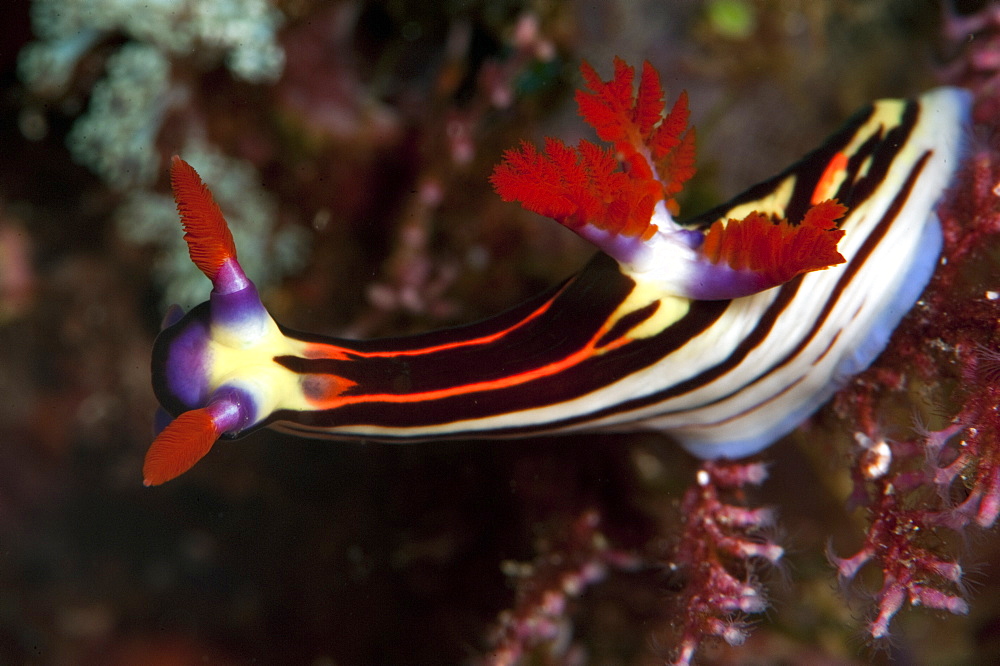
(943, 478)
(946, 478)
(722, 544)
(567, 564)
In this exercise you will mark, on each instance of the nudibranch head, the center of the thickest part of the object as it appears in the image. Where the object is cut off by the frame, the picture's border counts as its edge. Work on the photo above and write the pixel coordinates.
(192, 357)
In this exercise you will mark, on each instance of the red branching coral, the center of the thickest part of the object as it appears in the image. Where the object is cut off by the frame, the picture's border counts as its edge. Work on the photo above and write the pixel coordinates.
(716, 558)
(918, 489)
(900, 520)
(566, 565)
(720, 544)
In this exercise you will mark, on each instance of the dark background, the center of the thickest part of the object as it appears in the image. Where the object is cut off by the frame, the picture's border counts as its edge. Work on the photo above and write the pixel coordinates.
(279, 550)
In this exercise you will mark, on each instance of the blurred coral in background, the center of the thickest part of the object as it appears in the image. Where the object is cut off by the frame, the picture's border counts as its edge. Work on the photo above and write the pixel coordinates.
(350, 144)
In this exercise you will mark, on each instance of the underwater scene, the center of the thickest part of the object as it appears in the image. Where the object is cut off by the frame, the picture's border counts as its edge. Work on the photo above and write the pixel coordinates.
(517, 332)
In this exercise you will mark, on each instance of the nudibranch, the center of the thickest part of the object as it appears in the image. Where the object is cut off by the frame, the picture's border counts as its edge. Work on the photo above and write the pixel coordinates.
(724, 332)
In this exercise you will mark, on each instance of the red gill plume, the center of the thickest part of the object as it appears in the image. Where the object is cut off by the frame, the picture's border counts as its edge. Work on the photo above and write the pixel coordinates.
(778, 250)
(613, 191)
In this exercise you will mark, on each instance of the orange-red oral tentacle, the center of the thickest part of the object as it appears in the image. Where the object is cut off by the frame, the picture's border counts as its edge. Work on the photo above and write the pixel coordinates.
(182, 443)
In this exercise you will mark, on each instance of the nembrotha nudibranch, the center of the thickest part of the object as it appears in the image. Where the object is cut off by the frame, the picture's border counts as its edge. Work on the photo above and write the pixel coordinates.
(724, 332)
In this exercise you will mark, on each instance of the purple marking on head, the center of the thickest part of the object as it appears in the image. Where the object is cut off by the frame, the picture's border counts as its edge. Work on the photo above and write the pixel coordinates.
(186, 365)
(232, 409)
(161, 419)
(174, 314)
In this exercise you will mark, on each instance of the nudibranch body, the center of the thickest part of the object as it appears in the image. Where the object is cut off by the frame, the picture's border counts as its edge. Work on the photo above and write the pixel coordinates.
(724, 333)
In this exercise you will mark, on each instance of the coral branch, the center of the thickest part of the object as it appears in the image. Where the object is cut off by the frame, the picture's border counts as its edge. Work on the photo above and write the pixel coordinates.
(565, 566)
(944, 479)
(720, 535)
(911, 572)
(947, 479)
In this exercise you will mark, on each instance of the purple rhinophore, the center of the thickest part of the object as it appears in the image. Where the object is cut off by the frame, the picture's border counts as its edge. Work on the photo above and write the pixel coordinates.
(237, 308)
(232, 409)
(230, 278)
(235, 302)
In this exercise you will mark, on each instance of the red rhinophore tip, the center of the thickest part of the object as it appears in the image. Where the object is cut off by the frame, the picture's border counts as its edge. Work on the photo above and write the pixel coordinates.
(778, 251)
(181, 444)
(206, 232)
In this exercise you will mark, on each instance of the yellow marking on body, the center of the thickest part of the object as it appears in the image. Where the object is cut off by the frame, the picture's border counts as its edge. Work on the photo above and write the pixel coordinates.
(671, 310)
(887, 114)
(773, 204)
(865, 167)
